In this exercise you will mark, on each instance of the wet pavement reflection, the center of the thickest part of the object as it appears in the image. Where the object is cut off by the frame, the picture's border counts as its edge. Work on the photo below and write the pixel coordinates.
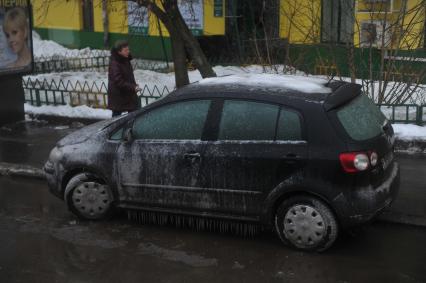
(30, 142)
(412, 191)
(40, 241)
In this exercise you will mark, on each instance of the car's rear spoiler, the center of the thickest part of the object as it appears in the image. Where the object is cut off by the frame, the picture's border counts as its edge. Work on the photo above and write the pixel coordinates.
(342, 93)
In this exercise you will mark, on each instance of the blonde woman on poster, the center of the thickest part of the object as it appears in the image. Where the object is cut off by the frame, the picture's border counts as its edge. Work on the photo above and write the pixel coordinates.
(16, 30)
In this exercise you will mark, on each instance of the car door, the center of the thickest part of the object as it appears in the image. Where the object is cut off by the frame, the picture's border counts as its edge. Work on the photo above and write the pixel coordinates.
(161, 163)
(258, 146)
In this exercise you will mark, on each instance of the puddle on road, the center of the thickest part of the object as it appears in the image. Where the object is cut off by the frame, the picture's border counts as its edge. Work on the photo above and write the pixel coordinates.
(177, 256)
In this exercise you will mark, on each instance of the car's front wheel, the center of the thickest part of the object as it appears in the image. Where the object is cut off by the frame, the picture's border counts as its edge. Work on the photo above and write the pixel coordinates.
(88, 197)
(306, 223)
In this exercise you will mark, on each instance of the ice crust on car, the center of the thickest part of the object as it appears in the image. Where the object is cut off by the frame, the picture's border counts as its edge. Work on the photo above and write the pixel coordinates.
(298, 83)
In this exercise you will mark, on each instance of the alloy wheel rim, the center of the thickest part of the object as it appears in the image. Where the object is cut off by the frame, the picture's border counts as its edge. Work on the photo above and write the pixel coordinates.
(91, 199)
(304, 226)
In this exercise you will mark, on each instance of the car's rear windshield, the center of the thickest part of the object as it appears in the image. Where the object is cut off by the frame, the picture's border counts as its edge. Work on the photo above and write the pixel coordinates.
(361, 118)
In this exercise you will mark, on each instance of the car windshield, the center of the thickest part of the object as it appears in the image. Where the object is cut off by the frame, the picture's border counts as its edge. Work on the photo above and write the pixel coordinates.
(361, 119)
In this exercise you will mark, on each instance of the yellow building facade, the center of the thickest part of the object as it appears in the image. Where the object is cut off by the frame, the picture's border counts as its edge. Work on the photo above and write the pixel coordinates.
(381, 23)
(80, 23)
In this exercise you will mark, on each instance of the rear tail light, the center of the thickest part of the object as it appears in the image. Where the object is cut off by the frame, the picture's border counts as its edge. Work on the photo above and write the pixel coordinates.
(357, 161)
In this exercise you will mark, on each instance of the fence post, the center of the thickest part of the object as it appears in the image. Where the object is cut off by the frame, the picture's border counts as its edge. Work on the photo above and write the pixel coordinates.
(419, 116)
(38, 101)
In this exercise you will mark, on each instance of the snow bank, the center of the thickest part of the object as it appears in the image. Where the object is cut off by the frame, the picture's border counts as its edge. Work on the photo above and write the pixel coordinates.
(402, 131)
(49, 48)
(410, 132)
(298, 83)
(150, 78)
(68, 111)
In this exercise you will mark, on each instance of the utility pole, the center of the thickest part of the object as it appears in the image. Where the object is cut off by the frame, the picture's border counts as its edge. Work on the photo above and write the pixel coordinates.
(12, 99)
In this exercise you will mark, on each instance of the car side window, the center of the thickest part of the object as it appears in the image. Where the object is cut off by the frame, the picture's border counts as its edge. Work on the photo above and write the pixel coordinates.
(118, 134)
(182, 120)
(248, 120)
(289, 126)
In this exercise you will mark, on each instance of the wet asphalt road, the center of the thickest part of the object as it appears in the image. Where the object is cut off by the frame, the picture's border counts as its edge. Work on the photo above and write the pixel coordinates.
(40, 241)
(413, 185)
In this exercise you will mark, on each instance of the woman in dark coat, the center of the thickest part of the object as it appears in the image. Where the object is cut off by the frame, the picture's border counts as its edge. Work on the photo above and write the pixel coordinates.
(122, 87)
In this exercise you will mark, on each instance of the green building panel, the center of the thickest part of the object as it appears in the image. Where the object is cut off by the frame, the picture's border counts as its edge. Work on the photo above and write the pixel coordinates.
(307, 57)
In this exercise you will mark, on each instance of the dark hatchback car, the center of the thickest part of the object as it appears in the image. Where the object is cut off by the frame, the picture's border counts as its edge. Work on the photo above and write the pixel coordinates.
(306, 163)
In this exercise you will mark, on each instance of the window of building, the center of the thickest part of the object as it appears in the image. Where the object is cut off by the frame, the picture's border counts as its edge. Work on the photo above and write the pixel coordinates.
(337, 21)
(88, 23)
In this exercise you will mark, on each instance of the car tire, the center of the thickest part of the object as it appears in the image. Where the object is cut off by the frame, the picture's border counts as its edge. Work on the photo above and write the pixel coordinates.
(306, 223)
(88, 197)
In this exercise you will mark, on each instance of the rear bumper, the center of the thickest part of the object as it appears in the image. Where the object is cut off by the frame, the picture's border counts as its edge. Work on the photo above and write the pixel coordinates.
(363, 204)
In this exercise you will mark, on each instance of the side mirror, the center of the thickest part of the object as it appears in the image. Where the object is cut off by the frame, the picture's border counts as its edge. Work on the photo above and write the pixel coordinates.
(128, 135)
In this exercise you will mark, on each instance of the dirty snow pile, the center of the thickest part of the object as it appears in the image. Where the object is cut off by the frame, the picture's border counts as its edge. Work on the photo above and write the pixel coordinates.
(68, 111)
(49, 48)
(410, 132)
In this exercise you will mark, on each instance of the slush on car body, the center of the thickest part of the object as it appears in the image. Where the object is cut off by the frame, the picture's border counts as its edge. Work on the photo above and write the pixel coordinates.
(304, 156)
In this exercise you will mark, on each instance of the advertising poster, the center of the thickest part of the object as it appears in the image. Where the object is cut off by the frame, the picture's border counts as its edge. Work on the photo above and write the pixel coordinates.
(193, 13)
(16, 54)
(138, 19)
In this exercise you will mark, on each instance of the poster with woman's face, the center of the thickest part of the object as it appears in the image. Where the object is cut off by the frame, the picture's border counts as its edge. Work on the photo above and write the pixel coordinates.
(16, 54)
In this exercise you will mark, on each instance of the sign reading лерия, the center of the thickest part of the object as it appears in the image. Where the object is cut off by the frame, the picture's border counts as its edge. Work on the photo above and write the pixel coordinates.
(16, 54)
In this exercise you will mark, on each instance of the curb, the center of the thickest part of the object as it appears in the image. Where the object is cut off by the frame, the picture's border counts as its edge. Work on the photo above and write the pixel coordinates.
(410, 146)
(400, 218)
(11, 169)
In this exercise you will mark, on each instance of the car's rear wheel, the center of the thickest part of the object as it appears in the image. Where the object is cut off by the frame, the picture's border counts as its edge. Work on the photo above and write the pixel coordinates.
(306, 223)
(89, 197)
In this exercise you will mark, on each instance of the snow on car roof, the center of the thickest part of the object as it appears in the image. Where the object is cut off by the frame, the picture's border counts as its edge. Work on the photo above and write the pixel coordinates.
(298, 83)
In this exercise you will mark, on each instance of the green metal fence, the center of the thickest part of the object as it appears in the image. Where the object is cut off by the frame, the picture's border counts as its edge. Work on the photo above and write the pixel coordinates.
(92, 62)
(64, 64)
(404, 113)
(93, 94)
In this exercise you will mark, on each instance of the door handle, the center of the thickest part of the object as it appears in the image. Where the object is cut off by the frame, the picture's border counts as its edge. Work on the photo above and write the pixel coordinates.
(191, 155)
(292, 157)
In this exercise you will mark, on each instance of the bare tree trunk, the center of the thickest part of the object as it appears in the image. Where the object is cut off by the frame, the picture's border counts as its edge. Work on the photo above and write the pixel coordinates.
(351, 62)
(370, 71)
(191, 44)
(105, 22)
(183, 42)
(382, 76)
(179, 60)
(178, 46)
